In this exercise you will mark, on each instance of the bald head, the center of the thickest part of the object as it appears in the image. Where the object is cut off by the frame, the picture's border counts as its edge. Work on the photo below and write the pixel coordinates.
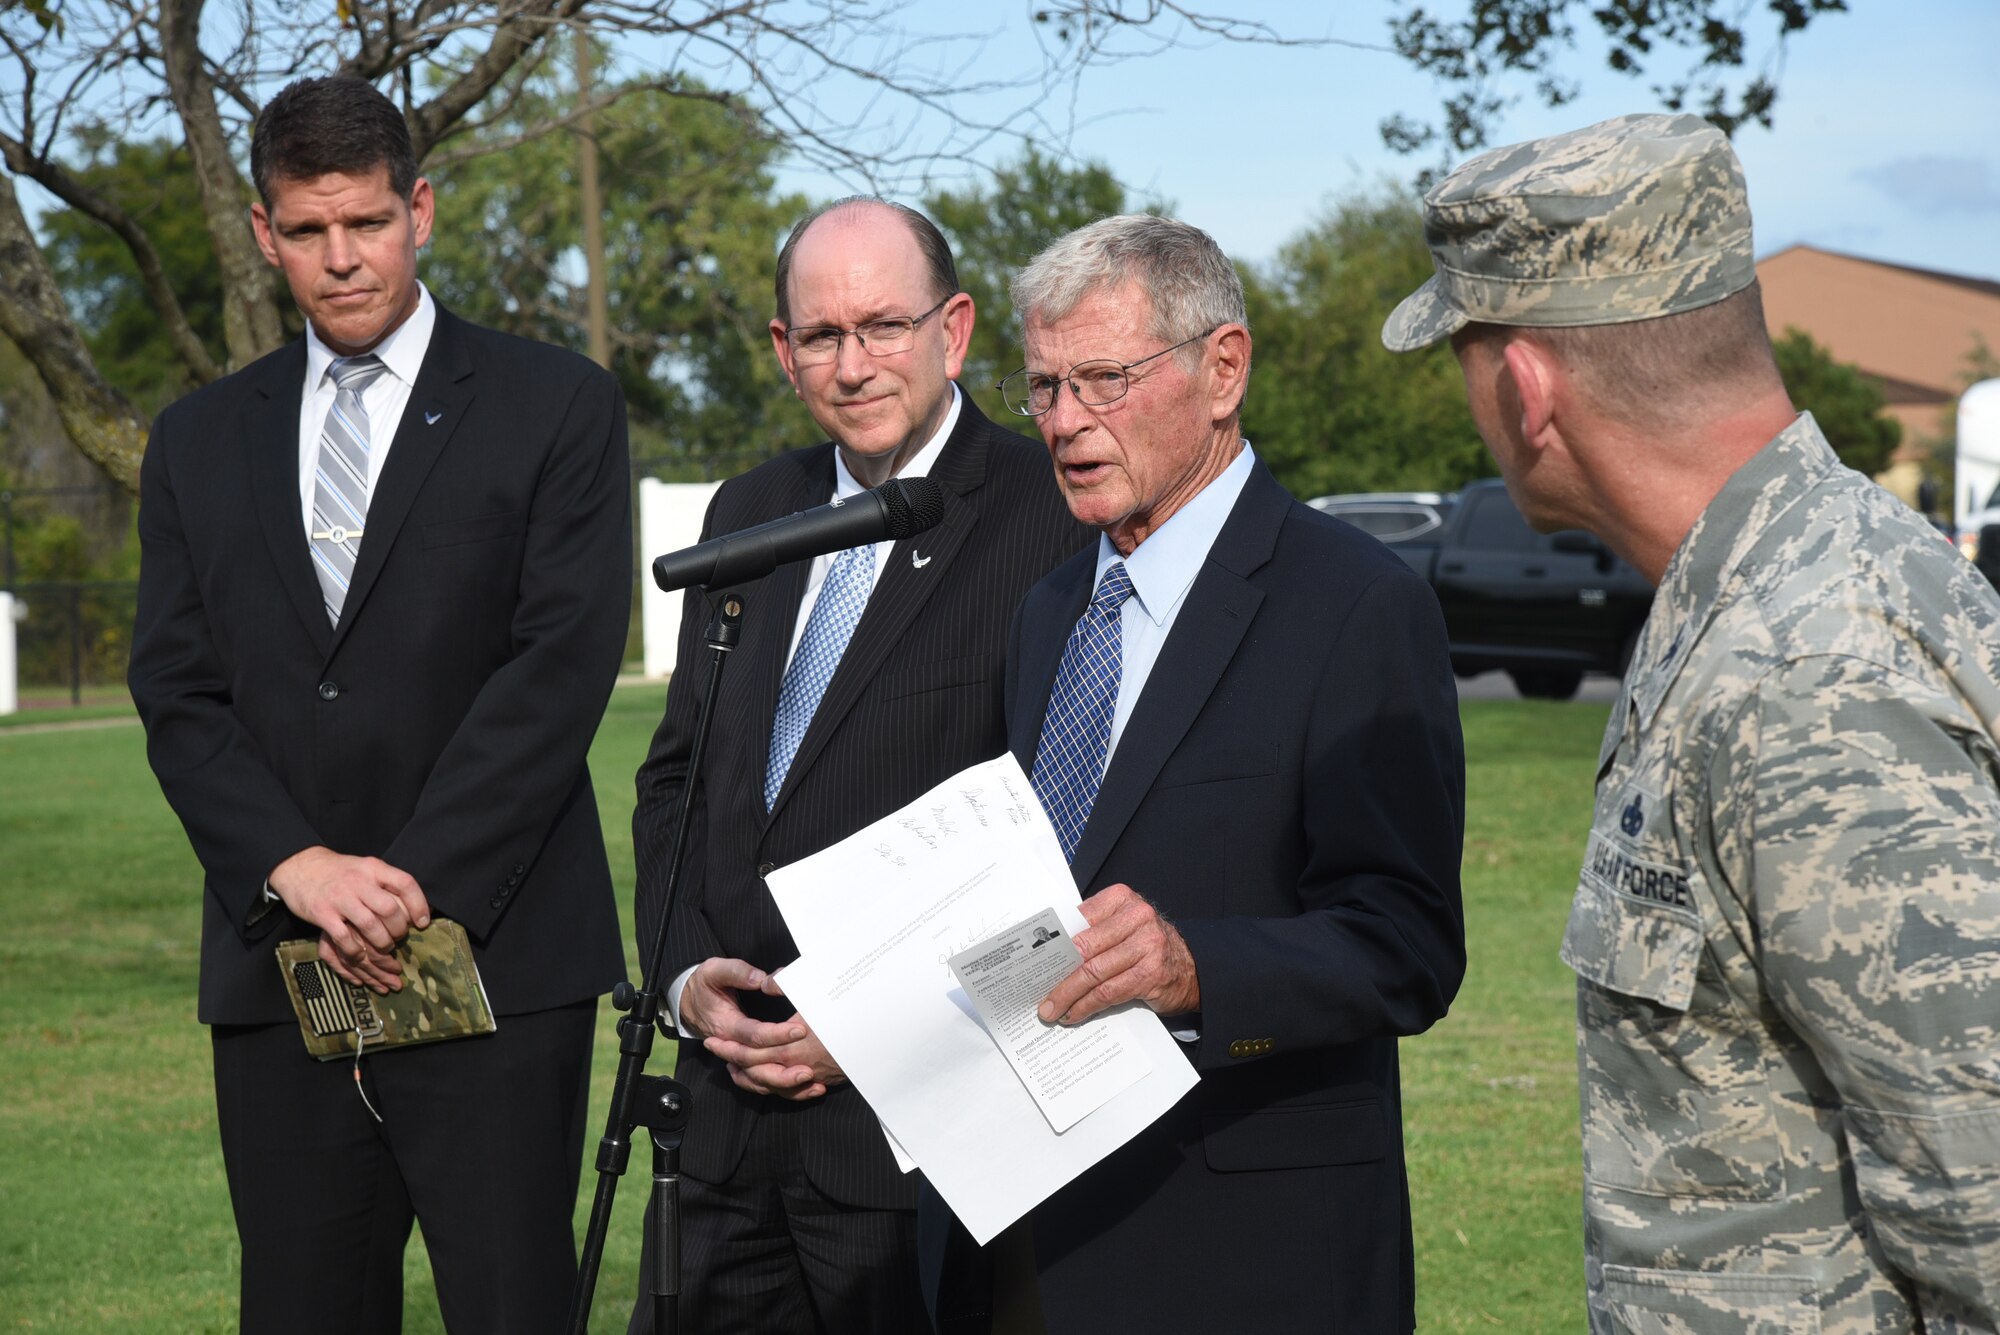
(871, 330)
(860, 214)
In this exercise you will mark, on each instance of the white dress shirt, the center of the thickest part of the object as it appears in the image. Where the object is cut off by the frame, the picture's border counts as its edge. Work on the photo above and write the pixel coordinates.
(402, 352)
(845, 486)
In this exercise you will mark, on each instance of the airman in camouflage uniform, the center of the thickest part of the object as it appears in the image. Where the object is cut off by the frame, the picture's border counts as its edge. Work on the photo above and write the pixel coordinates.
(1786, 933)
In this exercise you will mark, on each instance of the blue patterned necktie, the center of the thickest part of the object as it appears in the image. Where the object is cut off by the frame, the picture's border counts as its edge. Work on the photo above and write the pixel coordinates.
(340, 480)
(842, 598)
(1076, 732)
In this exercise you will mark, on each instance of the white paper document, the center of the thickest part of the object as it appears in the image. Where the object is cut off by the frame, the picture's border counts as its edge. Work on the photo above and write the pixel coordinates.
(1069, 1070)
(879, 916)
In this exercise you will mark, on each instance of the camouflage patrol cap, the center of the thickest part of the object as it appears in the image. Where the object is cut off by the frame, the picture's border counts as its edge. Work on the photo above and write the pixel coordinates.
(1631, 218)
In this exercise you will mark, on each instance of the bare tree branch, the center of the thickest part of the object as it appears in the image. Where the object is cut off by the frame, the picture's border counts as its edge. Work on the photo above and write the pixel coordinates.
(512, 39)
(578, 114)
(152, 273)
(36, 320)
(251, 322)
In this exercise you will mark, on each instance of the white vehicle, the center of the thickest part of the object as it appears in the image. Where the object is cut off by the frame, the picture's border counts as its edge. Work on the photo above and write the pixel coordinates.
(1390, 516)
(1978, 465)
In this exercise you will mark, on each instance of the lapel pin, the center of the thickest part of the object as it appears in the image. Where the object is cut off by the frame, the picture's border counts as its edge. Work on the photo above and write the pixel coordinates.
(431, 418)
(918, 562)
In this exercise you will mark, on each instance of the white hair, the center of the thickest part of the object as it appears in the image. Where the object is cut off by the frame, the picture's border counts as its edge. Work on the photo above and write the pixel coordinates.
(1187, 280)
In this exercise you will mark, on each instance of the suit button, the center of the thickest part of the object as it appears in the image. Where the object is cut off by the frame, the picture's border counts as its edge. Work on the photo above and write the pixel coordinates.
(328, 691)
(765, 869)
(496, 902)
(520, 870)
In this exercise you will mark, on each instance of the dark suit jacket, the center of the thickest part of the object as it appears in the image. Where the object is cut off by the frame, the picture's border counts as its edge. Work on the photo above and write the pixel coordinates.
(916, 699)
(1290, 793)
(443, 726)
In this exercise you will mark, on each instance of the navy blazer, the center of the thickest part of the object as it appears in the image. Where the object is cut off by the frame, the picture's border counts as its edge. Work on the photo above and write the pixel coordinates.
(916, 698)
(443, 726)
(1290, 792)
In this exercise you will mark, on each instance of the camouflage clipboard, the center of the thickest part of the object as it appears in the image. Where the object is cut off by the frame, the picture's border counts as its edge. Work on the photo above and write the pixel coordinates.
(441, 997)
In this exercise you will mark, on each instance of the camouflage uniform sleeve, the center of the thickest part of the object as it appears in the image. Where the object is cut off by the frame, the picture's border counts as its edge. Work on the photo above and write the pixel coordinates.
(1871, 875)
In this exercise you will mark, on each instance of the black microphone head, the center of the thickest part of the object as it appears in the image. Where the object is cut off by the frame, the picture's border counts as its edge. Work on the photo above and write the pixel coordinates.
(913, 504)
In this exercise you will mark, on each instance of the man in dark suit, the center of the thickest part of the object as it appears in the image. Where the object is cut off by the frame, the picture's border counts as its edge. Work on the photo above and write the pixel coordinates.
(383, 598)
(862, 680)
(1273, 845)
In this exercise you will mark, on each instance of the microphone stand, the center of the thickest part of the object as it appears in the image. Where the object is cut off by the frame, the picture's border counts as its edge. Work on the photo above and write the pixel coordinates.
(659, 1103)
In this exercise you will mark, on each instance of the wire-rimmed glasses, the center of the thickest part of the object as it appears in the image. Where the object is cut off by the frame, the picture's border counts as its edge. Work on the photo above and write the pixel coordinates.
(815, 344)
(1095, 383)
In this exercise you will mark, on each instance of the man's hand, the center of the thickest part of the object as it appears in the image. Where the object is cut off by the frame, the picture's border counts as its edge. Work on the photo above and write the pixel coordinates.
(783, 1059)
(1129, 952)
(363, 908)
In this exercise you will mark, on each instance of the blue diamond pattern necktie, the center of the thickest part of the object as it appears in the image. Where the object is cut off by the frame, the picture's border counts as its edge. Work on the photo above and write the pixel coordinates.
(340, 480)
(842, 598)
(1076, 732)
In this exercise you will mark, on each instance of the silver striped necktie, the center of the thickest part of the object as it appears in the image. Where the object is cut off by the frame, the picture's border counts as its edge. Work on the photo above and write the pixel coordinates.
(340, 480)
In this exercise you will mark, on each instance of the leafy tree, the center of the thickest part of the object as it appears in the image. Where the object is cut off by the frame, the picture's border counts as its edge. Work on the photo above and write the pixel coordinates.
(1846, 403)
(196, 75)
(51, 481)
(691, 228)
(60, 520)
(152, 181)
(1476, 59)
(1330, 409)
(994, 231)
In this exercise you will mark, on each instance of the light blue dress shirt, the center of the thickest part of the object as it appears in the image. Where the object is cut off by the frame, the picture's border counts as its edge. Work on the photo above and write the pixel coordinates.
(1163, 568)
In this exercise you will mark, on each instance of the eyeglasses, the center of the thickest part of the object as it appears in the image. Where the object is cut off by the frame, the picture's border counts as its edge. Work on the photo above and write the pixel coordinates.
(816, 344)
(1095, 383)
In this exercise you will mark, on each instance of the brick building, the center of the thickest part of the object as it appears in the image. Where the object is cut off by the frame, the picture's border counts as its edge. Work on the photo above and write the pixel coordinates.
(1913, 330)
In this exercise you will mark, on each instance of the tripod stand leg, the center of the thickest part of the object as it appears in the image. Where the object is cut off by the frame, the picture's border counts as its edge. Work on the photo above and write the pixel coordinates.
(663, 1266)
(658, 1103)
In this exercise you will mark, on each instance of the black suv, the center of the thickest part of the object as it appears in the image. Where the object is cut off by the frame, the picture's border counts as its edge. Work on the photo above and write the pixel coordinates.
(1545, 607)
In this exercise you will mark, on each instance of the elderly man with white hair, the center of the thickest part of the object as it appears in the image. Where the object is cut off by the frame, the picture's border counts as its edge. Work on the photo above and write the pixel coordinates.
(1240, 716)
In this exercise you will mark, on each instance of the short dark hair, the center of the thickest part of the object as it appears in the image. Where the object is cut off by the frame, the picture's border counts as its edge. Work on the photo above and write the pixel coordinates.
(340, 124)
(938, 263)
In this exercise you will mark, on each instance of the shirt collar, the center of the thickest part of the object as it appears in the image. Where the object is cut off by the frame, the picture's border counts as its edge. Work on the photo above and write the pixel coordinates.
(1716, 553)
(1163, 567)
(844, 483)
(402, 352)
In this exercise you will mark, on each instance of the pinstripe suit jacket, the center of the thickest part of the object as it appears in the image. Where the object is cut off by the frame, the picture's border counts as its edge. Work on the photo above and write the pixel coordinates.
(916, 698)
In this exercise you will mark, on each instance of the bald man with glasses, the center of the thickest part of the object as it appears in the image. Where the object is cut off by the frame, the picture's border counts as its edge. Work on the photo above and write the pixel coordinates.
(862, 679)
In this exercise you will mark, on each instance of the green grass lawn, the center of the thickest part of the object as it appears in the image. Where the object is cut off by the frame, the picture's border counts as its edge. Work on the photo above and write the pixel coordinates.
(41, 705)
(114, 1215)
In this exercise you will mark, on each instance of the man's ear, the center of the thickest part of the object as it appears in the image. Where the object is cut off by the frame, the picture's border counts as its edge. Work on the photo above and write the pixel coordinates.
(956, 320)
(260, 228)
(423, 209)
(783, 348)
(1536, 378)
(1228, 351)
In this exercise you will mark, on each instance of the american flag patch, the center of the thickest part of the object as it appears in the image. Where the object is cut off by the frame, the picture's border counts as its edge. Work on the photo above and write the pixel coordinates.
(326, 996)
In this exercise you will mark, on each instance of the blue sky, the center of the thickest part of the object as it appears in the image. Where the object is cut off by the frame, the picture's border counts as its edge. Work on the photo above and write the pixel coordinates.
(1887, 141)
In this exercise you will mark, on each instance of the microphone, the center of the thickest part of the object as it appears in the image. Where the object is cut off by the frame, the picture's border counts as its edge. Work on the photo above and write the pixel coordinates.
(898, 508)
